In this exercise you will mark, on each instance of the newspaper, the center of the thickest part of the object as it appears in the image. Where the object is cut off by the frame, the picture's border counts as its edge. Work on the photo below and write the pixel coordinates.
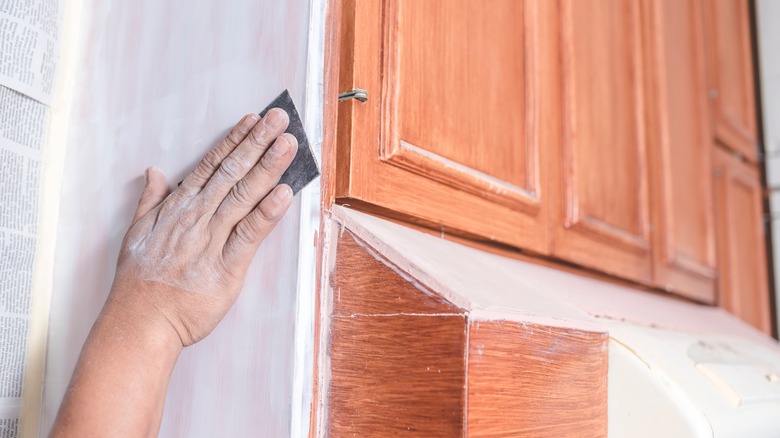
(29, 31)
(21, 136)
(28, 54)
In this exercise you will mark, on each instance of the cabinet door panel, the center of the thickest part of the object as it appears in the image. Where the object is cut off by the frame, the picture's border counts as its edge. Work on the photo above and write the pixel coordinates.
(462, 91)
(603, 221)
(743, 286)
(450, 134)
(679, 149)
(731, 75)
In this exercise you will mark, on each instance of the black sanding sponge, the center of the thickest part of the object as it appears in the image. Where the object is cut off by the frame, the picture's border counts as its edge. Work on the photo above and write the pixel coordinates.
(303, 168)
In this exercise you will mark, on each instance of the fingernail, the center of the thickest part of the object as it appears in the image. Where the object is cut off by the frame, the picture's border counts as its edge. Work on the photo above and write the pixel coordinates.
(248, 123)
(275, 119)
(146, 177)
(281, 146)
(282, 193)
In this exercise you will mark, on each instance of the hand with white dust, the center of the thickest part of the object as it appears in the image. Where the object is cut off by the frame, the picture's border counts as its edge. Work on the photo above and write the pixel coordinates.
(184, 259)
(181, 267)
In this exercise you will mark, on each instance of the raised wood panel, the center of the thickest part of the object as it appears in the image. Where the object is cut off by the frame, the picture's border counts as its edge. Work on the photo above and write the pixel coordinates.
(526, 380)
(462, 104)
(451, 133)
(601, 201)
(679, 150)
(743, 286)
(731, 75)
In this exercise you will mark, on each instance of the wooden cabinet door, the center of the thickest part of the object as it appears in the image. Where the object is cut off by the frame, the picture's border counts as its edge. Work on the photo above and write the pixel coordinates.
(679, 150)
(731, 75)
(600, 177)
(743, 286)
(452, 132)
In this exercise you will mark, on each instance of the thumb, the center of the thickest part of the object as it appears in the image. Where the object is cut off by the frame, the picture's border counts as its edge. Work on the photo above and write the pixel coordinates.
(155, 191)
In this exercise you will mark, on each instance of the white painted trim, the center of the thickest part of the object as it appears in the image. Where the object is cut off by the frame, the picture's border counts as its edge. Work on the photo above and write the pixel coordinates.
(330, 233)
(491, 287)
(767, 17)
(303, 373)
(48, 217)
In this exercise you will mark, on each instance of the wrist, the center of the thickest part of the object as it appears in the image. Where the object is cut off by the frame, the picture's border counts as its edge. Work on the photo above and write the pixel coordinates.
(134, 314)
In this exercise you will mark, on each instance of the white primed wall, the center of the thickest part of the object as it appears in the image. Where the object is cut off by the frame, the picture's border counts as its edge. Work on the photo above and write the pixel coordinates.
(159, 82)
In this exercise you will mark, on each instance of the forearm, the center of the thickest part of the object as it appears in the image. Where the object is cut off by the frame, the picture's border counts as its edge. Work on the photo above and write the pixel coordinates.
(120, 381)
(181, 267)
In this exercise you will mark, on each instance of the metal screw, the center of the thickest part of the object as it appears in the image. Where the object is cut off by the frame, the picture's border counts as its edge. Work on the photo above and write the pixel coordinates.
(357, 94)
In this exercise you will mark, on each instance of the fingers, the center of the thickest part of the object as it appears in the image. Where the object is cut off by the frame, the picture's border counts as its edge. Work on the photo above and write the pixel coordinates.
(203, 172)
(260, 180)
(244, 157)
(155, 191)
(243, 242)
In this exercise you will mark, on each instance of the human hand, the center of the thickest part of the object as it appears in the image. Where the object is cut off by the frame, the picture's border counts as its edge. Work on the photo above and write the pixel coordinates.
(184, 259)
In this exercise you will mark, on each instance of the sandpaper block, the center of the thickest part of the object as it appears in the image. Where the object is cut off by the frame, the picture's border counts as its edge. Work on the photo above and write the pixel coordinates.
(303, 168)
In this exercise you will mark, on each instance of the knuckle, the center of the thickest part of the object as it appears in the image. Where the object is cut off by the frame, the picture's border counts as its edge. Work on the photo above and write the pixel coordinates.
(243, 235)
(231, 168)
(187, 214)
(186, 219)
(274, 161)
(207, 165)
(270, 162)
(212, 159)
(250, 229)
(235, 136)
(241, 194)
(292, 140)
(268, 214)
(260, 136)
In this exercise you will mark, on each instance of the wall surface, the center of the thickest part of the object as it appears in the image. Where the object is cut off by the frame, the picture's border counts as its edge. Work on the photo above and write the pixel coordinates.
(158, 83)
(768, 15)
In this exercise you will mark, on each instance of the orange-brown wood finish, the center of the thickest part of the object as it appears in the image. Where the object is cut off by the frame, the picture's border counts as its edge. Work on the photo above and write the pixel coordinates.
(578, 131)
(393, 375)
(600, 189)
(381, 289)
(404, 361)
(743, 283)
(731, 75)
(526, 380)
(452, 131)
(397, 353)
(679, 150)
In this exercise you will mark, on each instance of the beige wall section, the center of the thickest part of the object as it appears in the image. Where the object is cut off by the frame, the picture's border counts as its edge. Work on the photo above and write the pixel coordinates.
(768, 15)
(158, 83)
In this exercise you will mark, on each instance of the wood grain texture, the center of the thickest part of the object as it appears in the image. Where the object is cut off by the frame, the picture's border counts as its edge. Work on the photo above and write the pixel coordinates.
(397, 352)
(679, 150)
(398, 363)
(536, 381)
(381, 290)
(441, 182)
(730, 70)
(397, 375)
(743, 286)
(330, 111)
(473, 67)
(600, 194)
